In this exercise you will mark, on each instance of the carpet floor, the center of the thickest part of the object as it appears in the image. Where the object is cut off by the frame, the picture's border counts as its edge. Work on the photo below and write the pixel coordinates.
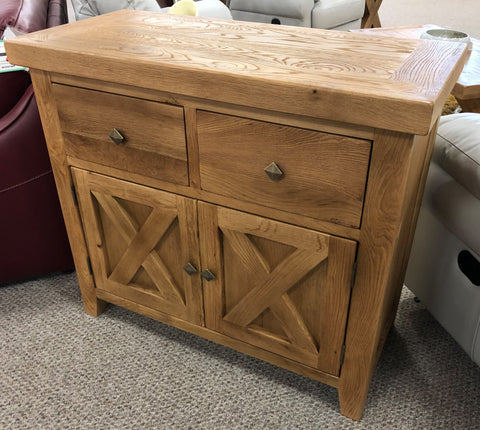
(456, 14)
(62, 369)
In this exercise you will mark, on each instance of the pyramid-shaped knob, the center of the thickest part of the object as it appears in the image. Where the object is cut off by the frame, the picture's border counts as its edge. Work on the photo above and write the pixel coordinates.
(117, 137)
(273, 171)
(190, 269)
(208, 275)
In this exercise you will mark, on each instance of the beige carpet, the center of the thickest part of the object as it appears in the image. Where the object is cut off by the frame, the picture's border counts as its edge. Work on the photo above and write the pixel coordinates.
(61, 369)
(456, 14)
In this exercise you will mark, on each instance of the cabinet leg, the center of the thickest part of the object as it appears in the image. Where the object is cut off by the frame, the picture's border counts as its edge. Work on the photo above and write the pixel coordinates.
(93, 305)
(352, 400)
(95, 308)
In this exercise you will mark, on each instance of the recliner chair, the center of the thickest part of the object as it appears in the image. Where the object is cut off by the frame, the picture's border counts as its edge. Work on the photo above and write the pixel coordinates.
(326, 14)
(33, 240)
(444, 266)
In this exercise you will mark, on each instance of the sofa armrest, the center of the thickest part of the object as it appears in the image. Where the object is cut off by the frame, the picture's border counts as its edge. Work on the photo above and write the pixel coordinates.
(23, 152)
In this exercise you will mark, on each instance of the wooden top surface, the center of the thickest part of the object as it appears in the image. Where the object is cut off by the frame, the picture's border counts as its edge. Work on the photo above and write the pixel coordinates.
(390, 83)
(468, 84)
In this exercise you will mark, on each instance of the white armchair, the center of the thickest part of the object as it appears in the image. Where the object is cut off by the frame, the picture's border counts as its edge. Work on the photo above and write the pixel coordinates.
(327, 14)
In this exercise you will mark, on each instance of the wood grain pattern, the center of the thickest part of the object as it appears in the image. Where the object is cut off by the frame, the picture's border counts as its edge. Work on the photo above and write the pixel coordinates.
(332, 75)
(192, 104)
(387, 198)
(153, 148)
(139, 246)
(467, 87)
(314, 166)
(370, 17)
(271, 290)
(64, 183)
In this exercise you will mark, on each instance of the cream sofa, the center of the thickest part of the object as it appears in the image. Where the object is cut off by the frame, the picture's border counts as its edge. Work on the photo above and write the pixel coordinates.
(444, 266)
(89, 8)
(327, 14)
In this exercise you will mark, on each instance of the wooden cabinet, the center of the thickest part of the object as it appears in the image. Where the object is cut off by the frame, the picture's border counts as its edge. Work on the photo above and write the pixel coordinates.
(253, 184)
(273, 285)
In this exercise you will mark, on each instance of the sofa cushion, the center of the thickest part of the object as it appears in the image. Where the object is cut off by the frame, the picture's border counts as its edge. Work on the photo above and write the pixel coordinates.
(457, 149)
(297, 9)
(332, 13)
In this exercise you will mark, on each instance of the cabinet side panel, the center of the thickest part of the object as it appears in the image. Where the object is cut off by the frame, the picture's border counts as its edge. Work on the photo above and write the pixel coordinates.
(391, 197)
(64, 182)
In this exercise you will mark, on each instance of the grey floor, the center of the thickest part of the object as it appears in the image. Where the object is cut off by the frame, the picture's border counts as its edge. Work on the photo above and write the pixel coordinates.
(62, 369)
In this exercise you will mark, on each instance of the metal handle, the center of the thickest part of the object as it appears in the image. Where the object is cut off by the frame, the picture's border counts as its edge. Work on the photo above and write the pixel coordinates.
(208, 275)
(190, 269)
(117, 137)
(274, 172)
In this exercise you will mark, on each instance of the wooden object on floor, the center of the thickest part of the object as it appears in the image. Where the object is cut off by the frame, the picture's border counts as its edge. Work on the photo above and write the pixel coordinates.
(370, 18)
(467, 87)
(254, 184)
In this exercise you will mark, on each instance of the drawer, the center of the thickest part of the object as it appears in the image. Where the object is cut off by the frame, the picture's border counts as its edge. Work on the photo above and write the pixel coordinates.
(322, 175)
(154, 133)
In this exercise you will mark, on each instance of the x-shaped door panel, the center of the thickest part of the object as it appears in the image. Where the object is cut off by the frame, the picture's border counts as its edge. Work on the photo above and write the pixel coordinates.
(275, 286)
(140, 239)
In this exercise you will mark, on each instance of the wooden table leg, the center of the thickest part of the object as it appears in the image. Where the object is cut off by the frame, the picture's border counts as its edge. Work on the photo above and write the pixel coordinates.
(370, 17)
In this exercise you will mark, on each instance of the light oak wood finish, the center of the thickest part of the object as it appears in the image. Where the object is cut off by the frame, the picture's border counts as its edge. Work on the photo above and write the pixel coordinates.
(64, 183)
(313, 182)
(388, 83)
(467, 87)
(280, 287)
(182, 224)
(155, 149)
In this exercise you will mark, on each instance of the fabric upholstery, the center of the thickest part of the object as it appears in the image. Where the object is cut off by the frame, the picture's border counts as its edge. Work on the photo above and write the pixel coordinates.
(458, 149)
(296, 9)
(447, 228)
(326, 14)
(333, 13)
(89, 8)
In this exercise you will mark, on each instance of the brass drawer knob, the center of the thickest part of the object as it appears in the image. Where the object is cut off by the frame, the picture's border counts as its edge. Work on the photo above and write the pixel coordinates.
(208, 275)
(274, 172)
(117, 137)
(190, 269)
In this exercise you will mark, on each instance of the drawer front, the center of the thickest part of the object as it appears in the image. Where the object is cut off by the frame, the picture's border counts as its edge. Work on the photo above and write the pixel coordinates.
(320, 175)
(154, 133)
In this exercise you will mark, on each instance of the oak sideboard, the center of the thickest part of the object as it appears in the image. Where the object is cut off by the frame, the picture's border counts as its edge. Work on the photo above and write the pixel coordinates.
(257, 185)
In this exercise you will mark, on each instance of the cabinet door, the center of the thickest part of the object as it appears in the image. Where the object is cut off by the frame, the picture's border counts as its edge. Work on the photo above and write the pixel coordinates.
(280, 287)
(140, 240)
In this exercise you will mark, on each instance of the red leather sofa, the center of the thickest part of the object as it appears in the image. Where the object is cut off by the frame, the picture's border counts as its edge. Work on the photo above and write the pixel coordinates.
(33, 240)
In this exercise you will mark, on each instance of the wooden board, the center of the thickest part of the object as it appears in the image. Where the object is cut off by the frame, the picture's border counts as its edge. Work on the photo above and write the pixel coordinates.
(394, 84)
